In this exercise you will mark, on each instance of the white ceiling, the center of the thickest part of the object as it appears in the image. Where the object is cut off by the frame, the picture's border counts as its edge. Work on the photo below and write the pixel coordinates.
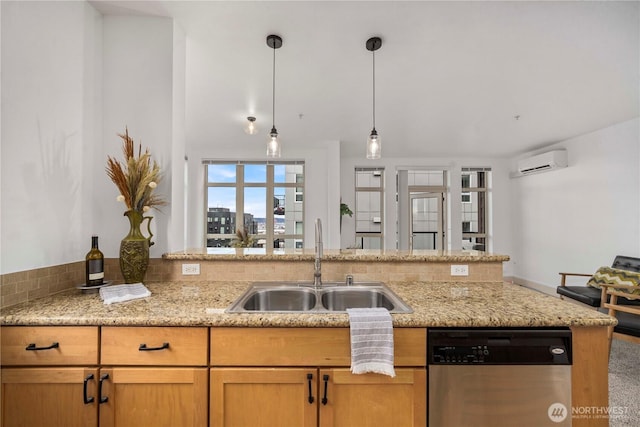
(451, 77)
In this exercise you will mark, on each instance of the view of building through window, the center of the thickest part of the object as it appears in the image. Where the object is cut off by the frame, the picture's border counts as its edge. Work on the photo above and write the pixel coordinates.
(369, 208)
(266, 198)
(476, 183)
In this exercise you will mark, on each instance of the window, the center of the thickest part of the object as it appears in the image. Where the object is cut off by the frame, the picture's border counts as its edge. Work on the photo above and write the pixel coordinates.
(475, 207)
(266, 198)
(421, 202)
(369, 212)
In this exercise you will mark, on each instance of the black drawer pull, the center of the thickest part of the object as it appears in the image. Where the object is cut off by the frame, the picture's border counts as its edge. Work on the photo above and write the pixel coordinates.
(102, 399)
(32, 347)
(84, 390)
(326, 380)
(143, 347)
(309, 378)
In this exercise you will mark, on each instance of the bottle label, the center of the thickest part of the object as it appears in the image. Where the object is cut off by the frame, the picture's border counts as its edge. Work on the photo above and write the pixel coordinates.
(96, 269)
(96, 276)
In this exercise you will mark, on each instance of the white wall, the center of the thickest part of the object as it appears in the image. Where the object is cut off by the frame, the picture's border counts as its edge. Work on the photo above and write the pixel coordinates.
(137, 88)
(579, 218)
(50, 104)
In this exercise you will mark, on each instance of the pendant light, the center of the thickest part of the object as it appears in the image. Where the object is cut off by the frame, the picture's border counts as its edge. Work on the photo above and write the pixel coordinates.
(273, 146)
(251, 127)
(374, 147)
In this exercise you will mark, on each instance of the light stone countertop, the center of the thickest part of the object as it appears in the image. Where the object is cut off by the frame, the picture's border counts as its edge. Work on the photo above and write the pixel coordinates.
(346, 255)
(203, 304)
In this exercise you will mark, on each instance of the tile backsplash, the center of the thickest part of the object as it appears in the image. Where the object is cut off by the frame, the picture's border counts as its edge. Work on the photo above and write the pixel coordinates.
(29, 285)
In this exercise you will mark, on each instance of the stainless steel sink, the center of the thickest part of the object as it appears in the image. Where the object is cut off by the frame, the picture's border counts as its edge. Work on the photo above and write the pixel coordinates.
(339, 299)
(282, 298)
(301, 297)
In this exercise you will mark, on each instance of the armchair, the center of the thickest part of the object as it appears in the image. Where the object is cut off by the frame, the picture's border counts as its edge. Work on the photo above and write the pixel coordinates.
(593, 296)
(628, 327)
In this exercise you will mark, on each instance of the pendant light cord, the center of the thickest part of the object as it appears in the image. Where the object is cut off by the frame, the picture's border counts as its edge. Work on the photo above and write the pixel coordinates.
(273, 94)
(374, 87)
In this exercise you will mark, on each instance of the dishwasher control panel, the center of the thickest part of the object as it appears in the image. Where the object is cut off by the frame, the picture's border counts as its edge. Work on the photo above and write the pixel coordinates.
(500, 346)
(460, 354)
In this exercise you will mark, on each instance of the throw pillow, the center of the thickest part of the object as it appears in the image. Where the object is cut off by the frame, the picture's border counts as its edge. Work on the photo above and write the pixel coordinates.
(615, 276)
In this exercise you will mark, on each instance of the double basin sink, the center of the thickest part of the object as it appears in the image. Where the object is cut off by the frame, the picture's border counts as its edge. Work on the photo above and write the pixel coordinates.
(331, 297)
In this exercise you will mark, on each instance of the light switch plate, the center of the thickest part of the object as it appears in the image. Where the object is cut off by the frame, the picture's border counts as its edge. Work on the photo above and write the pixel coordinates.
(190, 269)
(460, 270)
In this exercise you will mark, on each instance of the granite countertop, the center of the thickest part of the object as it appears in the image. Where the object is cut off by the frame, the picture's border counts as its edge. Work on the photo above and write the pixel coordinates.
(203, 304)
(364, 255)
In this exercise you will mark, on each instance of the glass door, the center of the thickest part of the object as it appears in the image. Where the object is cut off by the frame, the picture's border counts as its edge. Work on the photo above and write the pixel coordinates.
(426, 226)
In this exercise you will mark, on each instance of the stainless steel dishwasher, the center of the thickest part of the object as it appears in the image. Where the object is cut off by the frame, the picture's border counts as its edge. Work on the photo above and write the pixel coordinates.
(484, 377)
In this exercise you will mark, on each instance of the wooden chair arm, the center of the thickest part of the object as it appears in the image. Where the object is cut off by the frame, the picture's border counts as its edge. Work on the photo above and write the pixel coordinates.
(564, 277)
(615, 291)
(621, 290)
(631, 309)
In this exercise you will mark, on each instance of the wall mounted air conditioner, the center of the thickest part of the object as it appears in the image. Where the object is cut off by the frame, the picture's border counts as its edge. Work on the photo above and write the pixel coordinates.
(543, 162)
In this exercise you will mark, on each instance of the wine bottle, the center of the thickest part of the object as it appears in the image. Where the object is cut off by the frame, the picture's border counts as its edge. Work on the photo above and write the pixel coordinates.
(94, 262)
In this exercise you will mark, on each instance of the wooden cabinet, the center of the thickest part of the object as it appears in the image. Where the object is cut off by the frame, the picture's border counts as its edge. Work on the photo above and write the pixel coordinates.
(263, 397)
(48, 397)
(372, 399)
(275, 390)
(187, 376)
(154, 377)
(277, 397)
(49, 376)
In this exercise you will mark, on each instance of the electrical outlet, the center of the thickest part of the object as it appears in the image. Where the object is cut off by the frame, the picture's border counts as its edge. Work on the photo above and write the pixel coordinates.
(460, 270)
(190, 269)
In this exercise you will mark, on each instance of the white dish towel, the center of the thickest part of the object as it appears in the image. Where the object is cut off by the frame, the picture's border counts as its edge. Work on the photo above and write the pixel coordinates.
(371, 341)
(121, 293)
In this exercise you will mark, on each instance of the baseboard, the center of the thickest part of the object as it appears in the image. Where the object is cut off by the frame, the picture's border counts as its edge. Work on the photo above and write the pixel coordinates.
(548, 290)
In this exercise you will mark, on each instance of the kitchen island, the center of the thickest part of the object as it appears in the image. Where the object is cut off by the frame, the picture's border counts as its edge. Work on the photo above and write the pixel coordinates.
(223, 348)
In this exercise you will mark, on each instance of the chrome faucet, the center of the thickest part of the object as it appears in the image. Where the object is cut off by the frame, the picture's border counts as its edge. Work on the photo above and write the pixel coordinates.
(317, 272)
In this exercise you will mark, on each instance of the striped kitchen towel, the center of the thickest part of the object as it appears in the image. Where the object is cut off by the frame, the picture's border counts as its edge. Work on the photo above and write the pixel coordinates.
(121, 293)
(371, 341)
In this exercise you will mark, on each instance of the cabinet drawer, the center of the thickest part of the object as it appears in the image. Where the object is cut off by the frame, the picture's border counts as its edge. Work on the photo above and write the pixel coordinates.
(49, 345)
(305, 347)
(158, 346)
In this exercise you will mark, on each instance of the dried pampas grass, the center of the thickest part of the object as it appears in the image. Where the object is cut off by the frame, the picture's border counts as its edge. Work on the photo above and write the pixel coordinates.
(136, 178)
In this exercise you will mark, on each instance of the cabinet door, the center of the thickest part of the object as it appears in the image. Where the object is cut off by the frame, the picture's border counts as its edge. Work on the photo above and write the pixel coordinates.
(49, 397)
(159, 397)
(263, 397)
(372, 399)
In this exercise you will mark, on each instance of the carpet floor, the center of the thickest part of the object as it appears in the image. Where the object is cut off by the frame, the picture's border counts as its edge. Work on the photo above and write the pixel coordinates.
(624, 384)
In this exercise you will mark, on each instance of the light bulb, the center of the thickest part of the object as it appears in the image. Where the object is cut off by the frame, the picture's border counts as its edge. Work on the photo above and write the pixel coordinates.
(251, 127)
(273, 146)
(374, 147)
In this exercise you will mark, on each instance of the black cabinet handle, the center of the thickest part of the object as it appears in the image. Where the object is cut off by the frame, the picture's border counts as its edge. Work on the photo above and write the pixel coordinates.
(309, 378)
(102, 399)
(84, 390)
(32, 347)
(143, 347)
(326, 380)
